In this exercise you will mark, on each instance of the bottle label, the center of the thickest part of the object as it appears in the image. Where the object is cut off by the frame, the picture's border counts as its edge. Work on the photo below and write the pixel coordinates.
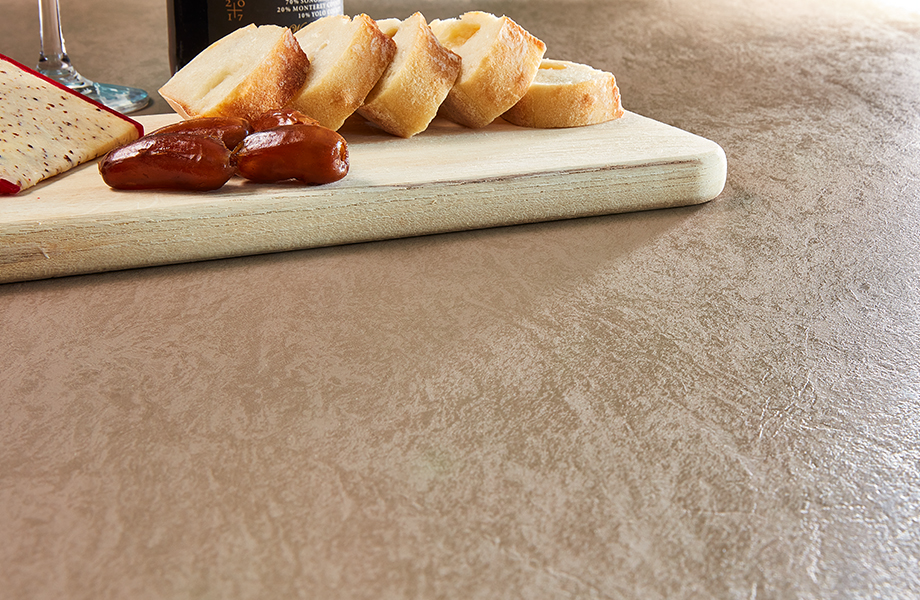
(226, 16)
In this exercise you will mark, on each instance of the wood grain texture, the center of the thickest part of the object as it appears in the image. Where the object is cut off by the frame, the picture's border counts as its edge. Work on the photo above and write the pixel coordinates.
(448, 179)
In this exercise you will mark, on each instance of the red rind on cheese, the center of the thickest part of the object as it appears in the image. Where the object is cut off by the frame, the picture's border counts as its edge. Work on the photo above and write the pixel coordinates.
(8, 187)
(47, 128)
(59, 85)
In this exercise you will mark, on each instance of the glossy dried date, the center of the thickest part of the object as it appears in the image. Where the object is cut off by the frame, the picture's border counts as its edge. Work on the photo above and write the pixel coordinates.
(308, 153)
(171, 161)
(230, 131)
(277, 118)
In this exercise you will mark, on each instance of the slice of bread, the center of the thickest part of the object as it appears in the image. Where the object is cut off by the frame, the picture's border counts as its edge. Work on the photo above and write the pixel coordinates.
(408, 95)
(250, 71)
(500, 60)
(347, 58)
(567, 94)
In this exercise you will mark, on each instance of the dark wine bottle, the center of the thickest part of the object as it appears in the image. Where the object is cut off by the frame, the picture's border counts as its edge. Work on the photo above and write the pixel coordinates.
(196, 24)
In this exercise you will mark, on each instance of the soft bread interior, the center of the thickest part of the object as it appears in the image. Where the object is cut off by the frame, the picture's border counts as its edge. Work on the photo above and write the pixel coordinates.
(415, 83)
(348, 56)
(325, 42)
(560, 72)
(215, 73)
(471, 36)
(567, 94)
(499, 61)
(389, 27)
(238, 64)
(404, 37)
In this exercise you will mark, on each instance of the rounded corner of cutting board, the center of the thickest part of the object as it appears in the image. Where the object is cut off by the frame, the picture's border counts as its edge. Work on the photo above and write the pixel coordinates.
(715, 173)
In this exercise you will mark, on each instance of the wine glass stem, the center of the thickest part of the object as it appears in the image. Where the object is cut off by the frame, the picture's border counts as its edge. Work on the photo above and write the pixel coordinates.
(53, 62)
(53, 55)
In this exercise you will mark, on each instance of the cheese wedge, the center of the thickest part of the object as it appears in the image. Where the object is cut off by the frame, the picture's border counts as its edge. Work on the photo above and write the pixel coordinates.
(46, 128)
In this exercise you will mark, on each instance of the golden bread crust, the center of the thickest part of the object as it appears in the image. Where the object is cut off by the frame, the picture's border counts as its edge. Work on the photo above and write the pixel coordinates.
(266, 80)
(500, 60)
(348, 57)
(279, 80)
(411, 90)
(567, 94)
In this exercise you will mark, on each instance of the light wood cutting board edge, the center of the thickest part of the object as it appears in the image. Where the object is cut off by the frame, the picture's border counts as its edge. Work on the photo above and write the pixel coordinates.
(451, 179)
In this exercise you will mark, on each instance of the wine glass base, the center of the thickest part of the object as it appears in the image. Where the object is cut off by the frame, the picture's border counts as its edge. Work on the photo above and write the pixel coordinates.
(122, 98)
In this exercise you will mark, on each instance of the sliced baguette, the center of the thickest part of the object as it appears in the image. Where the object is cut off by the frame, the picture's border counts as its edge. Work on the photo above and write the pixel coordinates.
(567, 94)
(408, 95)
(347, 58)
(499, 62)
(244, 74)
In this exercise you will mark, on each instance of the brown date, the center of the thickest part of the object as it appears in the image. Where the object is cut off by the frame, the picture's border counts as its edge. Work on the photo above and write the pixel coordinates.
(230, 131)
(308, 153)
(284, 116)
(171, 161)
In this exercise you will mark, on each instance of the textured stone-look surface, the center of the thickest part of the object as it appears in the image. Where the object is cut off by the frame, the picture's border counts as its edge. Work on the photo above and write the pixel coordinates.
(717, 401)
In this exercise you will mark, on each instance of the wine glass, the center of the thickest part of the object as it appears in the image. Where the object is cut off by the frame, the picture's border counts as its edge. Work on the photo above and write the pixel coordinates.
(54, 63)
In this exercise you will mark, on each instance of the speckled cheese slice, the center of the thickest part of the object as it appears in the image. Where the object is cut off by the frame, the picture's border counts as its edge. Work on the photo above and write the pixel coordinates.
(46, 129)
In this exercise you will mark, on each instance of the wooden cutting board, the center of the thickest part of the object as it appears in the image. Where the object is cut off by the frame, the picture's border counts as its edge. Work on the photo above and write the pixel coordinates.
(448, 178)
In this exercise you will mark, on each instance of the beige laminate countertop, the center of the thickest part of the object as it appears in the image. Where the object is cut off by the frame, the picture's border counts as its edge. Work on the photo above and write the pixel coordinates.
(720, 401)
